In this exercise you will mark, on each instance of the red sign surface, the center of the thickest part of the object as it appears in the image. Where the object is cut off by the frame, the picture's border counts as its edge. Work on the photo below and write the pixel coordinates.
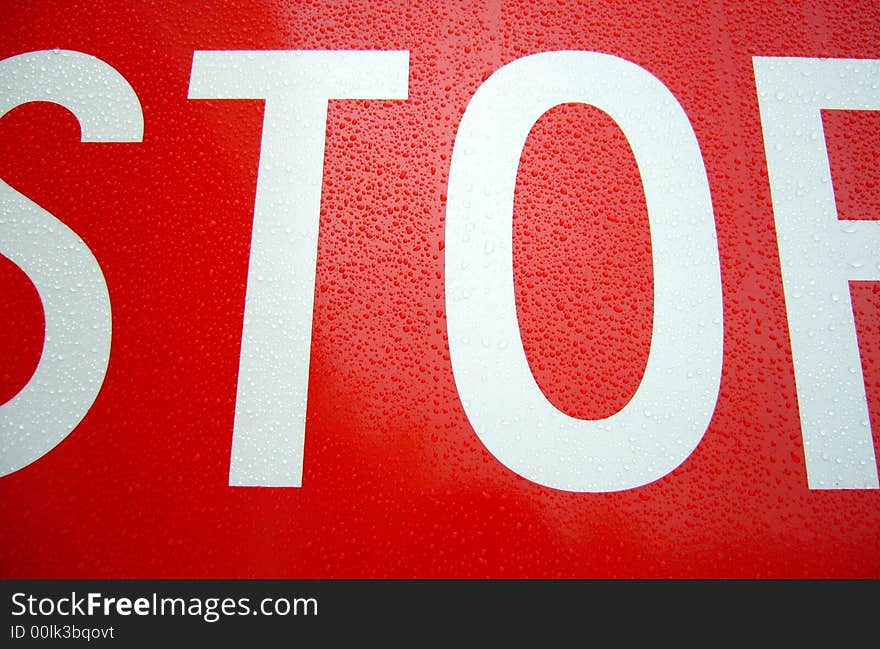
(396, 481)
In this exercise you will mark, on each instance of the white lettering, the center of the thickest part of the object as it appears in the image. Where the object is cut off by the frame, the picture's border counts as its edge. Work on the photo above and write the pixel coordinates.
(819, 255)
(68, 279)
(669, 413)
(270, 408)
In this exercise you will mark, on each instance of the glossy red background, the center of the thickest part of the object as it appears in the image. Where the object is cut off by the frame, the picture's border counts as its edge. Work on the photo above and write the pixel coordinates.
(395, 482)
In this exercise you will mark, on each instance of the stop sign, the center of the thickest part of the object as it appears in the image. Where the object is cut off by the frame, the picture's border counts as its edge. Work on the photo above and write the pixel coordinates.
(400, 290)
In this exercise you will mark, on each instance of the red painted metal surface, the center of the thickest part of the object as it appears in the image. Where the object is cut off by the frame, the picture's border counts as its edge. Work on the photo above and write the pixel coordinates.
(396, 483)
